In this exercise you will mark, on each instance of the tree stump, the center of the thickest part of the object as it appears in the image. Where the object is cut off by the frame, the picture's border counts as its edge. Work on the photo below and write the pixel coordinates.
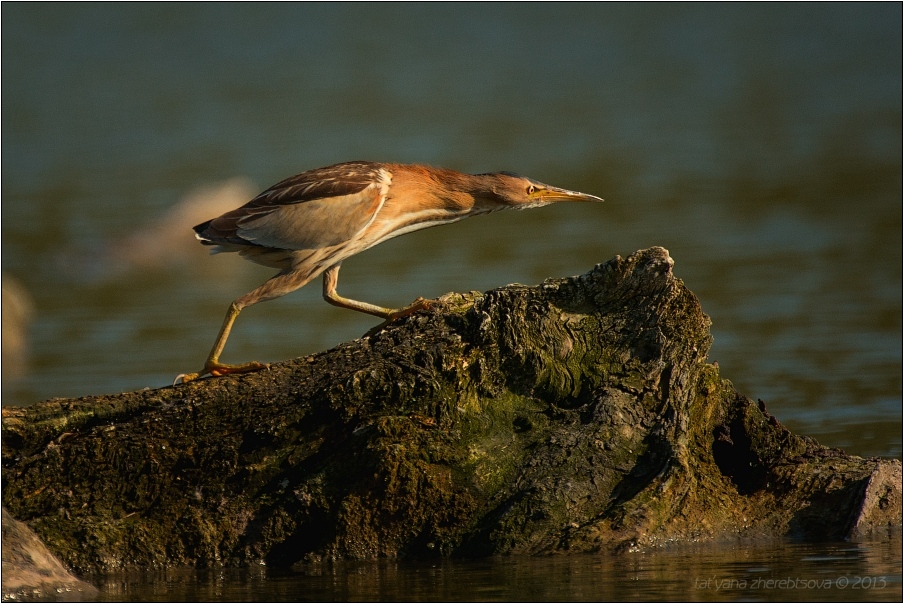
(577, 415)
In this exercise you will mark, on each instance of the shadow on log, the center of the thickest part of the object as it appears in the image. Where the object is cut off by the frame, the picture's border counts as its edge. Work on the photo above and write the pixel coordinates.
(578, 415)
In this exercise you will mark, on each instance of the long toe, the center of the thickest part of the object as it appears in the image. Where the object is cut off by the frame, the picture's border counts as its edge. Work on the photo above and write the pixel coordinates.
(220, 369)
(417, 305)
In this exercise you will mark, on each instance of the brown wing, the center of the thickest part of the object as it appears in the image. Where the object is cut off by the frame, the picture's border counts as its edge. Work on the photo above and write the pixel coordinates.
(314, 209)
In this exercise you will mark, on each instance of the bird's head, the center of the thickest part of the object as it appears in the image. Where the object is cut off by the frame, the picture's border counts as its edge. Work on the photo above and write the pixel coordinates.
(519, 192)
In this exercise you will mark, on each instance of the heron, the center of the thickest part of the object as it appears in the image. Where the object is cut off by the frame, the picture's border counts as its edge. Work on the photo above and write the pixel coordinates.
(307, 224)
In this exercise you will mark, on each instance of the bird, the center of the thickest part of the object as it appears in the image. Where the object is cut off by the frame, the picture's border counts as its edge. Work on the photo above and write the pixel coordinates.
(308, 224)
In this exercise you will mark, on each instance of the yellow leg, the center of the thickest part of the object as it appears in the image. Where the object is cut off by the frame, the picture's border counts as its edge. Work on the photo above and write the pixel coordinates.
(212, 365)
(330, 280)
(279, 285)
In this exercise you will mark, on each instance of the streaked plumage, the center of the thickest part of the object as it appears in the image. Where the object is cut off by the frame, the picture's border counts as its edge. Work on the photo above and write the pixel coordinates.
(309, 223)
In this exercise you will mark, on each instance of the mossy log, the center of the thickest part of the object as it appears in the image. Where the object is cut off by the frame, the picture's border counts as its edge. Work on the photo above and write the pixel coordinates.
(577, 415)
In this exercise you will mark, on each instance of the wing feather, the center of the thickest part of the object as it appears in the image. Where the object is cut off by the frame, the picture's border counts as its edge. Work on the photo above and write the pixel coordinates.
(318, 208)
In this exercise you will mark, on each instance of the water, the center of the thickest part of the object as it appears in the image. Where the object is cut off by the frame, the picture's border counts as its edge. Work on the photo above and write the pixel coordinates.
(760, 144)
(773, 572)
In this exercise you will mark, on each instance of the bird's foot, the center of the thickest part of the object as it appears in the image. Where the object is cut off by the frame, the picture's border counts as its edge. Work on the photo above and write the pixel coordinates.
(417, 305)
(217, 369)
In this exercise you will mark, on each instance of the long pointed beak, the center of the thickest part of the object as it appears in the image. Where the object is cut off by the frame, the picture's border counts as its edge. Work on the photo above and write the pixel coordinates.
(554, 194)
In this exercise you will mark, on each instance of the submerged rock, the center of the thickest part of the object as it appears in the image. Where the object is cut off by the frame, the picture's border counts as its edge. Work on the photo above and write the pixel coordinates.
(578, 415)
(30, 572)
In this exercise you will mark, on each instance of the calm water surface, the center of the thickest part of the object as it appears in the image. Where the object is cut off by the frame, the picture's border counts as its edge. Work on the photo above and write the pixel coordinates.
(761, 145)
(774, 572)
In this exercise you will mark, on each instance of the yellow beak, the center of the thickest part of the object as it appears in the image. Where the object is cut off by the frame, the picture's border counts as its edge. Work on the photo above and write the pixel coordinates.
(554, 194)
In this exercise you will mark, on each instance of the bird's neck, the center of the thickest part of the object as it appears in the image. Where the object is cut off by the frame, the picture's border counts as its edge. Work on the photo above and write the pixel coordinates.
(421, 197)
(427, 190)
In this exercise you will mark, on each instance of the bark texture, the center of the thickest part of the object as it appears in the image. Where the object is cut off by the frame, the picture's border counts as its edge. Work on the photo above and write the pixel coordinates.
(577, 415)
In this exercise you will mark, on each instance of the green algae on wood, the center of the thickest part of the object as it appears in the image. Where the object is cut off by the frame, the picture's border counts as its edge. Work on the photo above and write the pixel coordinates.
(578, 415)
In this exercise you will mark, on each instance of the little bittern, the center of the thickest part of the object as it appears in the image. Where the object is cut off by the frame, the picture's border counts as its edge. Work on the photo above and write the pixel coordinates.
(309, 223)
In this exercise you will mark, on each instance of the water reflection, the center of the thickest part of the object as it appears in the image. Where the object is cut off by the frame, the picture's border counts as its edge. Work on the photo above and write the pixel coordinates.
(770, 572)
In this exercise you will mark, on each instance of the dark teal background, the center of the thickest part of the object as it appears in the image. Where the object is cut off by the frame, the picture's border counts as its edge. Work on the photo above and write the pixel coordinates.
(760, 144)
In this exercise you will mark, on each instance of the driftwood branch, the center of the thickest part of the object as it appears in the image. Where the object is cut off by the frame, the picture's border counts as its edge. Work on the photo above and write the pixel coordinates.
(577, 415)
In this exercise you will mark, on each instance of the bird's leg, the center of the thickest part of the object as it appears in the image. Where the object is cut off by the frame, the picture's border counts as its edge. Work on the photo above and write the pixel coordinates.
(331, 278)
(212, 365)
(279, 285)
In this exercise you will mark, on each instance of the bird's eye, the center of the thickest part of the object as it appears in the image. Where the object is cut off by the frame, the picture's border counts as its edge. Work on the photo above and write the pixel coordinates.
(531, 189)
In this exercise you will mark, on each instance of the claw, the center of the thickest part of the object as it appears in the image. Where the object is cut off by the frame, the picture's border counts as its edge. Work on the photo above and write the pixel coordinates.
(188, 377)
